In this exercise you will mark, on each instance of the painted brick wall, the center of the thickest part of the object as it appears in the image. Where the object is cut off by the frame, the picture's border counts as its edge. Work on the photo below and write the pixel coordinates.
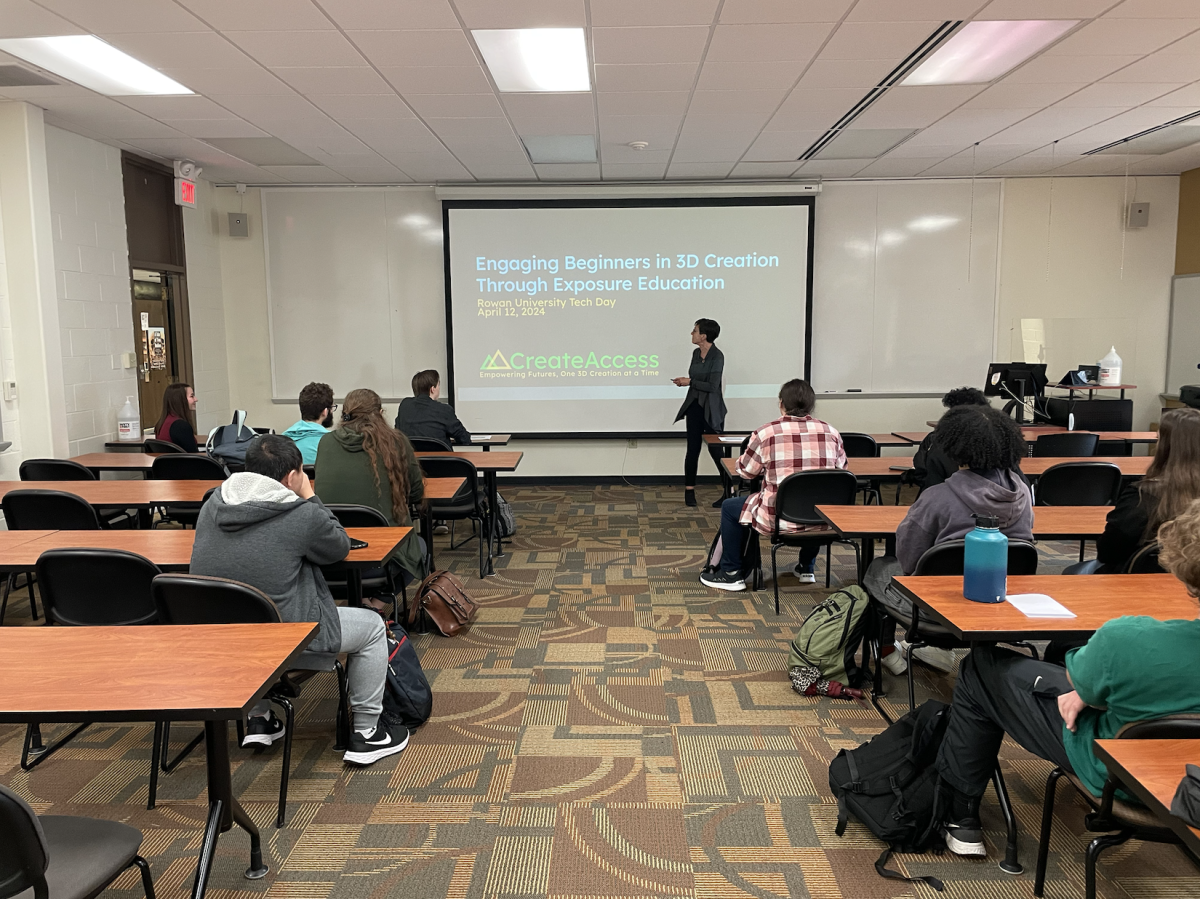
(9, 418)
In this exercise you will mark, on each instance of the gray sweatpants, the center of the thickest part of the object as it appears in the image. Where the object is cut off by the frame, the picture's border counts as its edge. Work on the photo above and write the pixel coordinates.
(364, 640)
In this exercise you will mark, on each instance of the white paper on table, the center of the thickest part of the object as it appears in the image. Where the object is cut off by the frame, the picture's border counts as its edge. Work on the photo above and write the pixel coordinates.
(475, 438)
(725, 439)
(1039, 605)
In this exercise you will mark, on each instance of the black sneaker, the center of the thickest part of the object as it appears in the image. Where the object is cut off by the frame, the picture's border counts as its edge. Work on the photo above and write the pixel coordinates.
(962, 829)
(368, 749)
(689, 497)
(719, 503)
(723, 580)
(262, 731)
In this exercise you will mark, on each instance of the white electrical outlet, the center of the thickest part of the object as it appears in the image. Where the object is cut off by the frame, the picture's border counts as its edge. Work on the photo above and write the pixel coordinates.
(128, 360)
(10, 391)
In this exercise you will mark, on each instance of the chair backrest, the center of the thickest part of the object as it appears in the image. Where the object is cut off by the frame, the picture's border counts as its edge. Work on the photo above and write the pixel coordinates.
(25, 858)
(194, 599)
(1145, 561)
(48, 510)
(54, 470)
(453, 467)
(1172, 727)
(802, 491)
(154, 445)
(96, 587)
(1069, 444)
(946, 559)
(859, 446)
(1079, 484)
(428, 445)
(189, 467)
(352, 516)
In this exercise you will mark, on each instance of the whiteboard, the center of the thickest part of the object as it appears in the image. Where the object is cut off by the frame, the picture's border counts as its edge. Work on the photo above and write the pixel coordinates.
(904, 285)
(1183, 347)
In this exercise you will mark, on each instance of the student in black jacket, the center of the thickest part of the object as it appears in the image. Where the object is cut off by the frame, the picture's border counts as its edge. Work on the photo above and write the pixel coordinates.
(421, 415)
(1172, 481)
(931, 465)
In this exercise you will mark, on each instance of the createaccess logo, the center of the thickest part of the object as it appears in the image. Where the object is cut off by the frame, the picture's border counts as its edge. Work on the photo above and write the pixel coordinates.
(495, 362)
(598, 361)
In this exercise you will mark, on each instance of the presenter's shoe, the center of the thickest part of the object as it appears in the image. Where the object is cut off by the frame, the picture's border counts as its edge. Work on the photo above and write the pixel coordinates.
(689, 497)
(366, 749)
(263, 730)
(803, 575)
(723, 580)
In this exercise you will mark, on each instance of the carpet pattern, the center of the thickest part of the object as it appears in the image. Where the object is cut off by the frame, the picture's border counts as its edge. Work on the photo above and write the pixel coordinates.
(608, 727)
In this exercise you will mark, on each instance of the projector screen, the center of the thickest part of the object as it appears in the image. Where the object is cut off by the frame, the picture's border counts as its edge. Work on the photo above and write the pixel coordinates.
(570, 318)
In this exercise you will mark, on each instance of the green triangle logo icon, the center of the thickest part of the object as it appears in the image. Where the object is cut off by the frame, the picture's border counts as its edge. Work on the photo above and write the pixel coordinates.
(495, 362)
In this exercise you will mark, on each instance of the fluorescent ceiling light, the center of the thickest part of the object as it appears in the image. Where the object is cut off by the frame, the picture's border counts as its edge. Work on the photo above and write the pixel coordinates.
(89, 61)
(863, 143)
(536, 59)
(983, 51)
(561, 148)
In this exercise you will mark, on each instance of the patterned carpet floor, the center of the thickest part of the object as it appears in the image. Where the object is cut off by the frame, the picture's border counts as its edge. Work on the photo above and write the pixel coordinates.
(608, 727)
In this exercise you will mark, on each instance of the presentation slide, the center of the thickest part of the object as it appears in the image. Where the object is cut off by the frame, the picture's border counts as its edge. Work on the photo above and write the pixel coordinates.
(572, 320)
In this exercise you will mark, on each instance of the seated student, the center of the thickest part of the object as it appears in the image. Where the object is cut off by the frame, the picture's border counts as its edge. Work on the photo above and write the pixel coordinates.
(316, 418)
(264, 527)
(366, 463)
(1134, 668)
(175, 422)
(930, 464)
(985, 447)
(421, 415)
(1172, 481)
(794, 442)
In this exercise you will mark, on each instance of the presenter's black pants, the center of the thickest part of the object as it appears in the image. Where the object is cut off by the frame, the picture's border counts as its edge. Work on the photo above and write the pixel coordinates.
(697, 427)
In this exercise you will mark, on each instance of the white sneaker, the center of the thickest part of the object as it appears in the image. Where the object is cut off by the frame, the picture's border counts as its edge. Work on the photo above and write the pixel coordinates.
(805, 577)
(894, 661)
(941, 659)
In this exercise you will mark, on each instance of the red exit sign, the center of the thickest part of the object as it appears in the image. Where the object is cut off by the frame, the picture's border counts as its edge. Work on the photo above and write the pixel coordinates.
(185, 192)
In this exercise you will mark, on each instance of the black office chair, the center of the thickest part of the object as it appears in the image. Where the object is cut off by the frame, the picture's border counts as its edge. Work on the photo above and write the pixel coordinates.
(154, 445)
(43, 510)
(429, 445)
(799, 495)
(375, 582)
(90, 588)
(863, 446)
(467, 503)
(64, 856)
(66, 470)
(188, 467)
(1129, 820)
(1067, 444)
(1145, 561)
(1079, 484)
(192, 599)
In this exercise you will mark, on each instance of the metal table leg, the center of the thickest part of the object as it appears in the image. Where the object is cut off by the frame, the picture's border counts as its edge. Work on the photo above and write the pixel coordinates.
(489, 479)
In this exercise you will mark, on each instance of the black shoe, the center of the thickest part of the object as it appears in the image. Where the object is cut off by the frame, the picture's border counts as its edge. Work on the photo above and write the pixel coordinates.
(962, 829)
(723, 580)
(262, 731)
(689, 497)
(368, 749)
(719, 503)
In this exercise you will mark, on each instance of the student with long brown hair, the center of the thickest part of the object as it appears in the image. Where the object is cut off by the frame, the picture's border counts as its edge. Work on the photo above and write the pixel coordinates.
(1172, 481)
(367, 462)
(175, 422)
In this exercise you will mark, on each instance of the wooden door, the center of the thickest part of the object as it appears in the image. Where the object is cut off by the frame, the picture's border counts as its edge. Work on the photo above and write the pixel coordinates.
(155, 368)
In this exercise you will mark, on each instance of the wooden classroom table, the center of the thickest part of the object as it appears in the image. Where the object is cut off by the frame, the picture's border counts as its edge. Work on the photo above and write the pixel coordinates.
(1033, 432)
(489, 465)
(1094, 598)
(122, 461)
(210, 673)
(891, 469)
(121, 494)
(1152, 770)
(487, 441)
(884, 440)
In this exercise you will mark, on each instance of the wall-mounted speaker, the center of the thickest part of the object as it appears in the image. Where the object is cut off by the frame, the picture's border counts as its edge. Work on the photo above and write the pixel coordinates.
(239, 224)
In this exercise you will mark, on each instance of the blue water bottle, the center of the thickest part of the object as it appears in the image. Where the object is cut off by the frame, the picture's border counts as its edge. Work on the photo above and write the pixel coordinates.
(985, 562)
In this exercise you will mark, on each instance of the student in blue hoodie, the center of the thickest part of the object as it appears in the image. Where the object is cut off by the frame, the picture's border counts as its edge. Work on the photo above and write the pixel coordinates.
(316, 418)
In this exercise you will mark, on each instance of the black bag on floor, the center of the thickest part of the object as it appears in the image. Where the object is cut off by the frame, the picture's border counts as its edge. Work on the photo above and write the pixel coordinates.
(506, 522)
(751, 556)
(407, 697)
(890, 784)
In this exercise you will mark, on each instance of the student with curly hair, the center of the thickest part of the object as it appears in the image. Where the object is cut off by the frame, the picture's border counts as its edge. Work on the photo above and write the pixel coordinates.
(986, 448)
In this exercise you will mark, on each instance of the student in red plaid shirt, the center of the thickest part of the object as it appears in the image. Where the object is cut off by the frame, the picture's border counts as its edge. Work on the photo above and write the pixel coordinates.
(794, 442)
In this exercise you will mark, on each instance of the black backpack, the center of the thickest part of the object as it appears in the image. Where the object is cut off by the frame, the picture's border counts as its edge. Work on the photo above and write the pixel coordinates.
(890, 784)
(408, 699)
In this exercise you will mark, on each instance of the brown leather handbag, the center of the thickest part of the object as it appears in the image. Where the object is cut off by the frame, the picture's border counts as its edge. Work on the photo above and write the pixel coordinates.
(443, 598)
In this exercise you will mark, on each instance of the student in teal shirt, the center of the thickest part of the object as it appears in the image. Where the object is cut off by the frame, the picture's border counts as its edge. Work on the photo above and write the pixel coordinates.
(316, 418)
(1133, 668)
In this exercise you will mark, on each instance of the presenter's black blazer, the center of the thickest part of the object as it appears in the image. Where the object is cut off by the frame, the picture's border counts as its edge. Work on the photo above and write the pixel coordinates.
(705, 387)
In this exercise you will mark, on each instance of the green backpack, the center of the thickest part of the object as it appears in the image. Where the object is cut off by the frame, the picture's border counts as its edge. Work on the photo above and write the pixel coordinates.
(830, 636)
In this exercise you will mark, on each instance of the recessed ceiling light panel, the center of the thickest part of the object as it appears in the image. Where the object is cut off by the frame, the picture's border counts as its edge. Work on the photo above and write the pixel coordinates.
(561, 148)
(863, 143)
(89, 61)
(983, 51)
(536, 59)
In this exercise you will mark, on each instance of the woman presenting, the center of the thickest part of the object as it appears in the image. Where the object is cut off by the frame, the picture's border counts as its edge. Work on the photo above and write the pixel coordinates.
(703, 407)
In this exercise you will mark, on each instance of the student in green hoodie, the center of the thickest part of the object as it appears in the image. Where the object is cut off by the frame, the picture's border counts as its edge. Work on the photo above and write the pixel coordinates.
(316, 418)
(369, 463)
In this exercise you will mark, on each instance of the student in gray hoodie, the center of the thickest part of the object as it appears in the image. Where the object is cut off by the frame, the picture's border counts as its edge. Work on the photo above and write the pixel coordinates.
(266, 528)
(986, 446)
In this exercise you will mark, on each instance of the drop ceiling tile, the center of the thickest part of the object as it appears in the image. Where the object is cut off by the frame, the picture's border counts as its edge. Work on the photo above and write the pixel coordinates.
(669, 103)
(1036, 9)
(470, 129)
(229, 174)
(572, 171)
(539, 126)
(648, 46)
(375, 174)
(172, 52)
(36, 94)
(623, 154)
(780, 146)
(194, 107)
(966, 126)
(485, 172)
(773, 11)
(1093, 165)
(913, 10)
(1108, 93)
(363, 106)
(429, 167)
(829, 168)
(1008, 94)
(215, 128)
(475, 156)
(726, 154)
(313, 81)
(1152, 9)
(297, 48)
(719, 128)
(659, 131)
(722, 102)
(761, 170)
(546, 104)
(890, 40)
(889, 167)
(522, 13)
(255, 106)
(766, 43)
(1188, 46)
(455, 105)
(247, 79)
(126, 15)
(698, 171)
(915, 107)
(1108, 36)
(1185, 96)
(1053, 124)
(368, 15)
(437, 79)
(665, 77)
(911, 149)
(22, 18)
(660, 12)
(749, 76)
(306, 174)
(804, 110)
(261, 15)
(1070, 69)
(1160, 67)
(382, 134)
(647, 171)
(1129, 123)
(435, 47)
(825, 74)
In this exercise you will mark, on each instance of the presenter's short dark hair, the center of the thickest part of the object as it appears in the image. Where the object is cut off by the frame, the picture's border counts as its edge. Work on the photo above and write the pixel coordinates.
(797, 397)
(965, 396)
(709, 328)
(273, 455)
(425, 381)
(980, 437)
(315, 398)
